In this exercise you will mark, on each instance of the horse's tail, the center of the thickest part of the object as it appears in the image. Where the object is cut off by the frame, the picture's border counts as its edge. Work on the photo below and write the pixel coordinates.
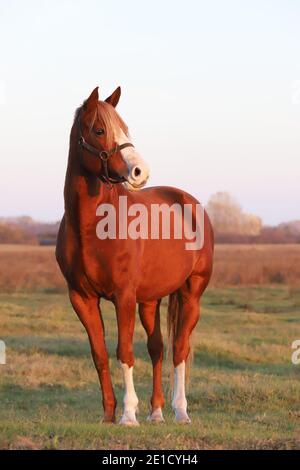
(174, 321)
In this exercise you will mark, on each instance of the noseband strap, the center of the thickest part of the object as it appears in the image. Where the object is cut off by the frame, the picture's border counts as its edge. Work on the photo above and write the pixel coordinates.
(104, 155)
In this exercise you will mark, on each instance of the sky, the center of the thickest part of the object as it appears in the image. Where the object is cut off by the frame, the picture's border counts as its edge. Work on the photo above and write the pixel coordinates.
(210, 92)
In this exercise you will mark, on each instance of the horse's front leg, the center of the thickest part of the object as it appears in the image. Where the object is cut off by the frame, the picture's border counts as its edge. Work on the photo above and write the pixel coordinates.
(125, 308)
(150, 318)
(88, 311)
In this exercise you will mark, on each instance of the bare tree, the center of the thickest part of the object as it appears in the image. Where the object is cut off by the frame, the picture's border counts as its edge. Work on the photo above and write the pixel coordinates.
(228, 217)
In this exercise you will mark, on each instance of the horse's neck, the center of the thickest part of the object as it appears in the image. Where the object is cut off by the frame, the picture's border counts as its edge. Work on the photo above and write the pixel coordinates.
(82, 192)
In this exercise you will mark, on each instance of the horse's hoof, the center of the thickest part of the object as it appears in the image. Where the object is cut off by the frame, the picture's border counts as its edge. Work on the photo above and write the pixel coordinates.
(181, 417)
(129, 419)
(108, 420)
(156, 416)
(126, 422)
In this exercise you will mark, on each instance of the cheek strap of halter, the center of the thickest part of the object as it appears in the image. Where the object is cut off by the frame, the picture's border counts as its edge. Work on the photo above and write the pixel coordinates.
(104, 156)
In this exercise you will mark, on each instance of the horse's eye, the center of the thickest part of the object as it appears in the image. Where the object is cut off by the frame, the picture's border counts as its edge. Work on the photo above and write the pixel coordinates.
(99, 131)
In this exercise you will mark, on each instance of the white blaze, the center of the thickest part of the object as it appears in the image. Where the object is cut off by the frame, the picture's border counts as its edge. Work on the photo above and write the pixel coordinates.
(138, 170)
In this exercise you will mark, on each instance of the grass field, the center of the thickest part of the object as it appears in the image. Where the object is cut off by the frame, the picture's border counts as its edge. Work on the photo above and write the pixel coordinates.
(244, 390)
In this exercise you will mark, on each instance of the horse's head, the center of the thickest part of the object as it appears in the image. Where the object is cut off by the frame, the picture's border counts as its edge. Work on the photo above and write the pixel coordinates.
(104, 134)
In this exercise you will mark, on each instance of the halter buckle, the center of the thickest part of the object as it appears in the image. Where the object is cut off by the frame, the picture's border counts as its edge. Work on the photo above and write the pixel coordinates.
(104, 155)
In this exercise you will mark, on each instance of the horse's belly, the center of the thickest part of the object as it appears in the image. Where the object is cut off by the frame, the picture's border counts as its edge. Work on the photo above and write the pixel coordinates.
(166, 266)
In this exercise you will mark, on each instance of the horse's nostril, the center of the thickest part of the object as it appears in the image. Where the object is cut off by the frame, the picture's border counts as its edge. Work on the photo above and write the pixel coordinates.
(137, 171)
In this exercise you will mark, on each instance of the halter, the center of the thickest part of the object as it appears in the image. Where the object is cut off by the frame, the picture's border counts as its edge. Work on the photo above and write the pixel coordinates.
(104, 155)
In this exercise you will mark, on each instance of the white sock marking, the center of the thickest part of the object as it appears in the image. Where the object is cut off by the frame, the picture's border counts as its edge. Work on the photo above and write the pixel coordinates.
(179, 399)
(130, 398)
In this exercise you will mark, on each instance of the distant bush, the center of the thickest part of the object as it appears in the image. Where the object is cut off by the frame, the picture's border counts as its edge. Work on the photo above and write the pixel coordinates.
(16, 235)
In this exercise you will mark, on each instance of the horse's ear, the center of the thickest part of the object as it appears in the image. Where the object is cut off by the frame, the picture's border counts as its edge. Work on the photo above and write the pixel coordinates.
(113, 99)
(91, 102)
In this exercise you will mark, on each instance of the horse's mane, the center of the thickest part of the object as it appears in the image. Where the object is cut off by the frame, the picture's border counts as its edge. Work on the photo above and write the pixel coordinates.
(108, 118)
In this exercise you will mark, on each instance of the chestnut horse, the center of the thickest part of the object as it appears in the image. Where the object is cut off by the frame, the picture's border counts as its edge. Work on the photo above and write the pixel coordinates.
(103, 165)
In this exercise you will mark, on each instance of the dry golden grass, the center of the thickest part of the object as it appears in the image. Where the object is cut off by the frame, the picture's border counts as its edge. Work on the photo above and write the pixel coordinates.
(29, 268)
(256, 264)
(34, 268)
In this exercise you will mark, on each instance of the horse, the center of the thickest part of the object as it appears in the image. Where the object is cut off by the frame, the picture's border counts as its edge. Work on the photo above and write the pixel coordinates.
(103, 167)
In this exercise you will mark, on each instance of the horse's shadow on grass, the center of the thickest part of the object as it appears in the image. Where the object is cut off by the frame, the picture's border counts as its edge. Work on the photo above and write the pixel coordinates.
(60, 346)
(225, 361)
(59, 400)
(30, 401)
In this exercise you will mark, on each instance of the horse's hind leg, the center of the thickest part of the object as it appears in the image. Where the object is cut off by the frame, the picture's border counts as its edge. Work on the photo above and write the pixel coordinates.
(88, 311)
(188, 316)
(150, 318)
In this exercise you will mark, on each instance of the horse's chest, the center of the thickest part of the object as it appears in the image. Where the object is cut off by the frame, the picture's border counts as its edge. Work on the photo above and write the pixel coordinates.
(107, 265)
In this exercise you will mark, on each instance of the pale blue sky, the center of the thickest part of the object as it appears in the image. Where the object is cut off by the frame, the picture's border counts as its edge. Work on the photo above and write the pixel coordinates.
(211, 94)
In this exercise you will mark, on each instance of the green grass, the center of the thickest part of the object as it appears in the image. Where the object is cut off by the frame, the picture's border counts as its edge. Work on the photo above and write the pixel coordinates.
(244, 390)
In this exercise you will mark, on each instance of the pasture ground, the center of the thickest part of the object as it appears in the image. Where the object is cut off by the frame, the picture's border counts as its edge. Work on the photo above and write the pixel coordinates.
(244, 390)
